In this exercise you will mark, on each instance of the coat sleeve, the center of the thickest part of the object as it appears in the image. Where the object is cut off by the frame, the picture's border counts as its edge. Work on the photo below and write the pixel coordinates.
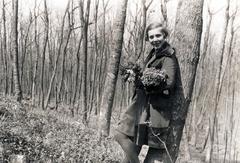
(169, 64)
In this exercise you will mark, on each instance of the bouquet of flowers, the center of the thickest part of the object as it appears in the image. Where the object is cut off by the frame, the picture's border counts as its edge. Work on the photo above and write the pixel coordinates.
(153, 77)
(130, 70)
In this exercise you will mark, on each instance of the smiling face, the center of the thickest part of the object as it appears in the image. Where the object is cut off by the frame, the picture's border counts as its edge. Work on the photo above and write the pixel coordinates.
(156, 37)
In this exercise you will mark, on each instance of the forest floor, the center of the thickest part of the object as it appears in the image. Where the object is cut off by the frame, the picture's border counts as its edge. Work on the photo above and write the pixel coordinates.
(32, 135)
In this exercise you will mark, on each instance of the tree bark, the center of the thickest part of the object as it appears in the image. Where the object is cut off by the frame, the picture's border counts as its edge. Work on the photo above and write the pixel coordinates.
(102, 58)
(84, 23)
(60, 86)
(199, 89)
(93, 88)
(18, 91)
(187, 37)
(46, 29)
(5, 65)
(76, 86)
(36, 42)
(164, 12)
(24, 50)
(56, 64)
(112, 71)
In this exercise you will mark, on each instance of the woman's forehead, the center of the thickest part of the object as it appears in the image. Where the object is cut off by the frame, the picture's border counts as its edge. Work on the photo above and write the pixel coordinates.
(155, 31)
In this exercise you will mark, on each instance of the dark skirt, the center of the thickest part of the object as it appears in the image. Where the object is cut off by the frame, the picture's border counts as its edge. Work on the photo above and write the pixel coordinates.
(147, 119)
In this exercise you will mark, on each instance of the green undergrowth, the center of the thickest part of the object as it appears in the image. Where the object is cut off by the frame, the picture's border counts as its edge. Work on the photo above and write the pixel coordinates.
(51, 136)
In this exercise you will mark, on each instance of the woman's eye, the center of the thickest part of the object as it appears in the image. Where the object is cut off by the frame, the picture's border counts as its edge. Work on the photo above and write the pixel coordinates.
(151, 37)
(158, 36)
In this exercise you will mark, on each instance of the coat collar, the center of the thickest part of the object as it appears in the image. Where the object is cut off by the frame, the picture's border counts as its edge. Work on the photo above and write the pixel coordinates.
(165, 50)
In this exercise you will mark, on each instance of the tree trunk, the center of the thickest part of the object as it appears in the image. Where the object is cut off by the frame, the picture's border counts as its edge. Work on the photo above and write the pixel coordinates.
(76, 86)
(164, 12)
(60, 86)
(5, 65)
(219, 80)
(102, 60)
(24, 51)
(142, 28)
(199, 89)
(46, 25)
(18, 91)
(36, 41)
(188, 29)
(56, 64)
(112, 71)
(93, 88)
(84, 23)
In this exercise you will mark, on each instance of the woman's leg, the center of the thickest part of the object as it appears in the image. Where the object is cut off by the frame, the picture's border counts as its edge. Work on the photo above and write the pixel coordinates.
(125, 159)
(128, 147)
(154, 155)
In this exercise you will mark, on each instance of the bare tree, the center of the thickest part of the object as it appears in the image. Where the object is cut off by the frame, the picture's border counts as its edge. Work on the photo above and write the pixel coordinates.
(145, 7)
(77, 74)
(93, 86)
(36, 42)
(5, 65)
(103, 59)
(218, 85)
(112, 71)
(198, 87)
(60, 85)
(18, 91)
(164, 11)
(84, 22)
(46, 30)
(24, 46)
(56, 62)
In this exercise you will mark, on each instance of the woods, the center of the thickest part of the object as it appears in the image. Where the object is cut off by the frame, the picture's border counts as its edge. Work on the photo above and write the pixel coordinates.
(66, 58)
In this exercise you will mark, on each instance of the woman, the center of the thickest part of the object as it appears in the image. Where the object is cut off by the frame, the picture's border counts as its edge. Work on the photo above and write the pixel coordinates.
(147, 119)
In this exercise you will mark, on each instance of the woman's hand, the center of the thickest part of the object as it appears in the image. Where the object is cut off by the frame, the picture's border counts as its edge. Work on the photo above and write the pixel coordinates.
(138, 81)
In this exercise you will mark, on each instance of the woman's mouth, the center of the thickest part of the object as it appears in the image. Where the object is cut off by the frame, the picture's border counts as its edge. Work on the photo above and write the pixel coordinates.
(156, 43)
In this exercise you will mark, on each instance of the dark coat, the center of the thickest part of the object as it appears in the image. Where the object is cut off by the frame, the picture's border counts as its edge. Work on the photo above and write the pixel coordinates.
(149, 113)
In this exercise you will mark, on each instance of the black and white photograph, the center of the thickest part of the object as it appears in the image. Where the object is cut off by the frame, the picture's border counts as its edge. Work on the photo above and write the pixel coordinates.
(119, 81)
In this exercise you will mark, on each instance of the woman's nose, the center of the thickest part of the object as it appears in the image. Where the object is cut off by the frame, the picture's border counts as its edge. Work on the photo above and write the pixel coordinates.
(155, 38)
